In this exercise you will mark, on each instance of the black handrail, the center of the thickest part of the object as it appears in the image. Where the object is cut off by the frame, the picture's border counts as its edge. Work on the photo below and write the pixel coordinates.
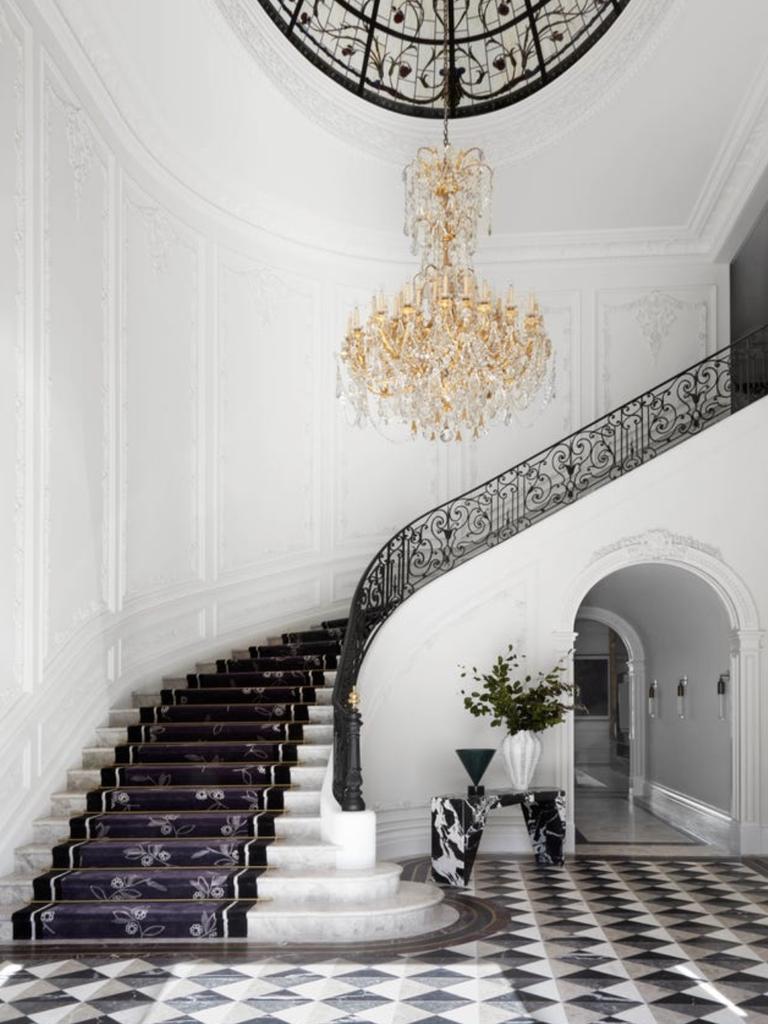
(492, 512)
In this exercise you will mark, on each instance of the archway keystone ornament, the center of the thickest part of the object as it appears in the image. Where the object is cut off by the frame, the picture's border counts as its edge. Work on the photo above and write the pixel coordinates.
(658, 545)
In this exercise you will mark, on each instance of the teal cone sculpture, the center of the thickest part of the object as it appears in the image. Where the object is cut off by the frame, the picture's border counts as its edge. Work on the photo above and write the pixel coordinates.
(476, 760)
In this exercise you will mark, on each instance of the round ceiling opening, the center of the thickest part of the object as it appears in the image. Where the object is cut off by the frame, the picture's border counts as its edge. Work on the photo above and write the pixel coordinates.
(390, 52)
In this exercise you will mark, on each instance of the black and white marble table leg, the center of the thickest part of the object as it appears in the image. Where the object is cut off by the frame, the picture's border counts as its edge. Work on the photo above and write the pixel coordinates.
(457, 828)
(545, 821)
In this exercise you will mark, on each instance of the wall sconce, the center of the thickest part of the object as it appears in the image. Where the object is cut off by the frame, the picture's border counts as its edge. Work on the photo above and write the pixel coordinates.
(652, 699)
(681, 688)
(725, 677)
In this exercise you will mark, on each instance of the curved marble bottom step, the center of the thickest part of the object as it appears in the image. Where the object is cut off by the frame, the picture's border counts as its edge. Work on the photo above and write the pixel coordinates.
(415, 909)
(332, 887)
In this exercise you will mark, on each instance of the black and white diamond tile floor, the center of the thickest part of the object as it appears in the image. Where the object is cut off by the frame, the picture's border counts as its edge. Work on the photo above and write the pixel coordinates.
(636, 941)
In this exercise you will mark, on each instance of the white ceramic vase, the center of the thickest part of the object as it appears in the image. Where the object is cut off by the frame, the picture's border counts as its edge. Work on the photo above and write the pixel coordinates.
(521, 753)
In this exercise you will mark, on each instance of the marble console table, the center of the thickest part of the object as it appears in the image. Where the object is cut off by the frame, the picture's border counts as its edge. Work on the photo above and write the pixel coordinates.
(458, 823)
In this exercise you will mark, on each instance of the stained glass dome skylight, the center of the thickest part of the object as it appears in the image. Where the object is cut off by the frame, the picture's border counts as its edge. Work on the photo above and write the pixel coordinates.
(390, 51)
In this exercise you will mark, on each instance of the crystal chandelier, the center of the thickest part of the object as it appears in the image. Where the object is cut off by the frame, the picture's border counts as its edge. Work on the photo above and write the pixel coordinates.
(445, 356)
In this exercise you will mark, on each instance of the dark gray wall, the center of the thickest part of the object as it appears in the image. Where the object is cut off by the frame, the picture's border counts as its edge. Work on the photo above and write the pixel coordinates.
(749, 281)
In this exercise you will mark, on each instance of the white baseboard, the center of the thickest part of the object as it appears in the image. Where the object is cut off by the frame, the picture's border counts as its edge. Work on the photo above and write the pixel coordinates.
(708, 823)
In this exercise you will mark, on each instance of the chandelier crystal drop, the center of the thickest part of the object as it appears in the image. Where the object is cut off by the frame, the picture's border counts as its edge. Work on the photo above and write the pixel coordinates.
(445, 356)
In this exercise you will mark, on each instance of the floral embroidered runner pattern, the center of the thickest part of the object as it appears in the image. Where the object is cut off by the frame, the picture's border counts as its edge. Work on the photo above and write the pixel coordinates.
(175, 838)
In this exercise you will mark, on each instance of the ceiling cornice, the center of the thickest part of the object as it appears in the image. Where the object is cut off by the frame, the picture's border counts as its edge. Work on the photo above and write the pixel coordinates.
(735, 174)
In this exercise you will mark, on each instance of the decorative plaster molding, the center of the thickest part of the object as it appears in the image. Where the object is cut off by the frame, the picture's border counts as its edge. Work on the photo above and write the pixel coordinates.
(84, 149)
(656, 545)
(539, 120)
(663, 546)
(164, 233)
(15, 38)
(655, 312)
(282, 303)
(528, 127)
(161, 235)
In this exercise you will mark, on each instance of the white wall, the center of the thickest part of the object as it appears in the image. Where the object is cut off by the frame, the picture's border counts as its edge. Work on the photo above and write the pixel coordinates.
(528, 591)
(176, 475)
(685, 632)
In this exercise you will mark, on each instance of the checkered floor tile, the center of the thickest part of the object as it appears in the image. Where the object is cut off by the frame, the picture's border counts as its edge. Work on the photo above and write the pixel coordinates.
(638, 941)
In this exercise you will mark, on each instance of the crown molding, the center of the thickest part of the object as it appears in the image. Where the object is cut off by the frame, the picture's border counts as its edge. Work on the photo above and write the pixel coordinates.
(509, 135)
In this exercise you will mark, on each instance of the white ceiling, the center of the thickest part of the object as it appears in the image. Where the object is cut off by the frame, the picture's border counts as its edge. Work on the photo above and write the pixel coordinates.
(650, 146)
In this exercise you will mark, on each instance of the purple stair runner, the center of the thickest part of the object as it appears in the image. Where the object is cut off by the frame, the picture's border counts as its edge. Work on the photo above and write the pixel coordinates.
(175, 838)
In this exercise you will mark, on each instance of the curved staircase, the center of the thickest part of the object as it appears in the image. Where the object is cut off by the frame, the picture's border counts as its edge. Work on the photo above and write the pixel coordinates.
(197, 816)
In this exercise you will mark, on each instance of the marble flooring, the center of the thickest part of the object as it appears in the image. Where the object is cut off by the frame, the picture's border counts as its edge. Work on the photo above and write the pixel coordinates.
(608, 822)
(609, 819)
(638, 940)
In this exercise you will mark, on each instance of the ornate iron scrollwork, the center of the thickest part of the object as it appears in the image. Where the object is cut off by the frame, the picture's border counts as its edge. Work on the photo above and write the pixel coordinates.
(446, 536)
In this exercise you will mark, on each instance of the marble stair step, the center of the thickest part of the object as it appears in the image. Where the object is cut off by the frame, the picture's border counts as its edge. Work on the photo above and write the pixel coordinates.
(180, 682)
(7, 910)
(68, 804)
(54, 829)
(319, 714)
(296, 801)
(124, 716)
(302, 801)
(298, 855)
(111, 735)
(313, 753)
(415, 908)
(313, 885)
(149, 700)
(32, 857)
(308, 777)
(318, 733)
(323, 696)
(50, 830)
(83, 779)
(302, 827)
(17, 888)
(98, 757)
(307, 754)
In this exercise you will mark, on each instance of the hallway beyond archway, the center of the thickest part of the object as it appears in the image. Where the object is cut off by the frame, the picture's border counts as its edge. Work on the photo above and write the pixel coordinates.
(652, 772)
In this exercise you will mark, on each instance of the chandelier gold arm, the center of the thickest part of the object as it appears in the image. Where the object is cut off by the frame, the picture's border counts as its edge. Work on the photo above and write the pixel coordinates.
(446, 355)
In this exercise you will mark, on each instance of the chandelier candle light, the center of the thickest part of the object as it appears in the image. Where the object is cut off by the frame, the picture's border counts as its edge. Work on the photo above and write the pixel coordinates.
(445, 356)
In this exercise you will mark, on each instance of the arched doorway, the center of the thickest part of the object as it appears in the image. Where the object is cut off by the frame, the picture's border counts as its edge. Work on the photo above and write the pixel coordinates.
(680, 793)
(660, 547)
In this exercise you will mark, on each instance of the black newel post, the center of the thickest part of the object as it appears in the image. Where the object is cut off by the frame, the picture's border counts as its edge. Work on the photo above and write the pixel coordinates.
(353, 784)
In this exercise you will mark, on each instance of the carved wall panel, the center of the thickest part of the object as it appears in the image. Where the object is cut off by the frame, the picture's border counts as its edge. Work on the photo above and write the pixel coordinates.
(160, 342)
(267, 408)
(14, 253)
(76, 322)
(646, 335)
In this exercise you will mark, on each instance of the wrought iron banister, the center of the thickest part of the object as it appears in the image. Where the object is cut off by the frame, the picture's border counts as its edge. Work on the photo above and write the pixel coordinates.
(492, 512)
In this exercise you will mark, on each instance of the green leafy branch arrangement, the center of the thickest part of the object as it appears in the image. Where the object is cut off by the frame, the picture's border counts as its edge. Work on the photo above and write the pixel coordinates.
(519, 704)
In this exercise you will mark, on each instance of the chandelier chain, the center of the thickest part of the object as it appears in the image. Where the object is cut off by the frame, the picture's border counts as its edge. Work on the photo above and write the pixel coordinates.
(446, 75)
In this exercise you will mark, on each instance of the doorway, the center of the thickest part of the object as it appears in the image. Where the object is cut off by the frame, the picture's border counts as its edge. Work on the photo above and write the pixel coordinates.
(652, 739)
(602, 708)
